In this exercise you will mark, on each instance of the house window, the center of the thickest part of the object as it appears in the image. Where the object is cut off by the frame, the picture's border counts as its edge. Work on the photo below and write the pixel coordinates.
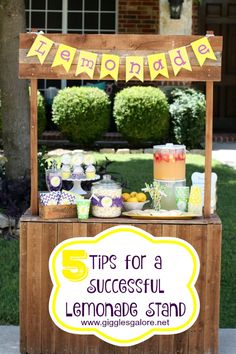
(86, 16)
(70, 16)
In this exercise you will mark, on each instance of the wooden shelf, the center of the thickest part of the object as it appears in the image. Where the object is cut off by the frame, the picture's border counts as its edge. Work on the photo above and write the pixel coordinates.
(214, 219)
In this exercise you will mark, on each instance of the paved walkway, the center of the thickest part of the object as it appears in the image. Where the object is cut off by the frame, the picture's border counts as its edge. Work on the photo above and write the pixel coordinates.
(225, 153)
(9, 340)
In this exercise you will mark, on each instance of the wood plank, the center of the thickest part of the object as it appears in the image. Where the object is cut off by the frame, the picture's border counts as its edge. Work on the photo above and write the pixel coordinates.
(214, 219)
(23, 287)
(208, 148)
(151, 346)
(121, 350)
(212, 289)
(29, 71)
(62, 339)
(121, 45)
(137, 349)
(196, 332)
(34, 146)
(181, 340)
(217, 237)
(23, 59)
(122, 41)
(80, 229)
(48, 328)
(166, 343)
(34, 239)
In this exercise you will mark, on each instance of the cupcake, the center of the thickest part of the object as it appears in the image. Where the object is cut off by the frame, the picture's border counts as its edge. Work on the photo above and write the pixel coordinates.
(77, 159)
(88, 159)
(78, 172)
(66, 159)
(65, 171)
(90, 172)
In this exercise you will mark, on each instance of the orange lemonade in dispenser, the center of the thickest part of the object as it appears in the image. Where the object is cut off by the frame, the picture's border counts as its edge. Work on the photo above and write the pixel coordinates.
(169, 162)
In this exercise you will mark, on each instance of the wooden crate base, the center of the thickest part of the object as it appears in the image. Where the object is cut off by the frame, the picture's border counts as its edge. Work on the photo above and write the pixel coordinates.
(39, 335)
(48, 212)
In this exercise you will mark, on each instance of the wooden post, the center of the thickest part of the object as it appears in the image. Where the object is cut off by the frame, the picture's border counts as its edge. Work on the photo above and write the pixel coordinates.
(34, 146)
(208, 148)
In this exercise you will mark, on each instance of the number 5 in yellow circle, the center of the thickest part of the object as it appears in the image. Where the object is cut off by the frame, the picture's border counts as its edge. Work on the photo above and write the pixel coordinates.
(74, 268)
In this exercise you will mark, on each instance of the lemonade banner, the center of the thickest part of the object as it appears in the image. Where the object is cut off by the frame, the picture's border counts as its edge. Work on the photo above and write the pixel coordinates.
(124, 295)
(86, 63)
(134, 68)
(134, 65)
(158, 65)
(203, 50)
(110, 66)
(40, 48)
(179, 60)
(64, 56)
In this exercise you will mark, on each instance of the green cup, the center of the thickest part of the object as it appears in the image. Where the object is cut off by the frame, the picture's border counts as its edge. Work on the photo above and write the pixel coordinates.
(182, 197)
(83, 206)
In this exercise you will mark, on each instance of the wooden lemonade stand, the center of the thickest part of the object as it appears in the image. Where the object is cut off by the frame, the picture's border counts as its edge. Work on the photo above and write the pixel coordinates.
(38, 237)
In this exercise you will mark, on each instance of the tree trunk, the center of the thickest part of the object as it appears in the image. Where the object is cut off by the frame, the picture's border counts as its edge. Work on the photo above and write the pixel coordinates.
(14, 92)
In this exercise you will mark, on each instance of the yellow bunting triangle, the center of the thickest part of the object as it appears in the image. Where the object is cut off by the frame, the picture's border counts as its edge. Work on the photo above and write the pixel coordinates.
(64, 56)
(134, 68)
(157, 65)
(110, 66)
(179, 60)
(203, 50)
(86, 63)
(40, 48)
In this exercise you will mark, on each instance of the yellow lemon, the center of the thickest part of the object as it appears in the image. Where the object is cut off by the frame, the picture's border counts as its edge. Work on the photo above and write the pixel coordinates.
(141, 197)
(133, 194)
(125, 196)
(132, 200)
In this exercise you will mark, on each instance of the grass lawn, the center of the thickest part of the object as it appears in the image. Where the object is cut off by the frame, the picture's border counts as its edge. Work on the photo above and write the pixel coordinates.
(136, 169)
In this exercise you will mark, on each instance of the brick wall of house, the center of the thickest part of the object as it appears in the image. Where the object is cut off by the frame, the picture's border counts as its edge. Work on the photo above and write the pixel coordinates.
(135, 16)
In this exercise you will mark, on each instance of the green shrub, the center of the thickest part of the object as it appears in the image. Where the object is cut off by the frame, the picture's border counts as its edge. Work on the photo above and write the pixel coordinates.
(41, 115)
(81, 113)
(188, 111)
(141, 114)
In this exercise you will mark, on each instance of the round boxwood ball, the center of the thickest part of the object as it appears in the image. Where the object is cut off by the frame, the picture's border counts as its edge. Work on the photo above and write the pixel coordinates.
(81, 113)
(141, 113)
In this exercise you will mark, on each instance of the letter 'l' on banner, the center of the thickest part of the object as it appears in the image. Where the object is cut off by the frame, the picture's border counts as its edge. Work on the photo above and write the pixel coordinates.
(179, 60)
(86, 63)
(134, 68)
(64, 56)
(203, 50)
(110, 66)
(40, 48)
(157, 65)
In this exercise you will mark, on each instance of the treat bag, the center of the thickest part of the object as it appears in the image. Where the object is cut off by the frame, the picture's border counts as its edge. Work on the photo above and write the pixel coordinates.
(195, 201)
(199, 180)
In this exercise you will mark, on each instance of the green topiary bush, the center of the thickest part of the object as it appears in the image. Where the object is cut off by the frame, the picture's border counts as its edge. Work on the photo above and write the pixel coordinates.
(141, 114)
(188, 111)
(81, 113)
(41, 115)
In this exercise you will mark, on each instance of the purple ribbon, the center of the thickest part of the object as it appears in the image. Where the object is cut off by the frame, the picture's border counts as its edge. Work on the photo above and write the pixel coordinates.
(116, 202)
